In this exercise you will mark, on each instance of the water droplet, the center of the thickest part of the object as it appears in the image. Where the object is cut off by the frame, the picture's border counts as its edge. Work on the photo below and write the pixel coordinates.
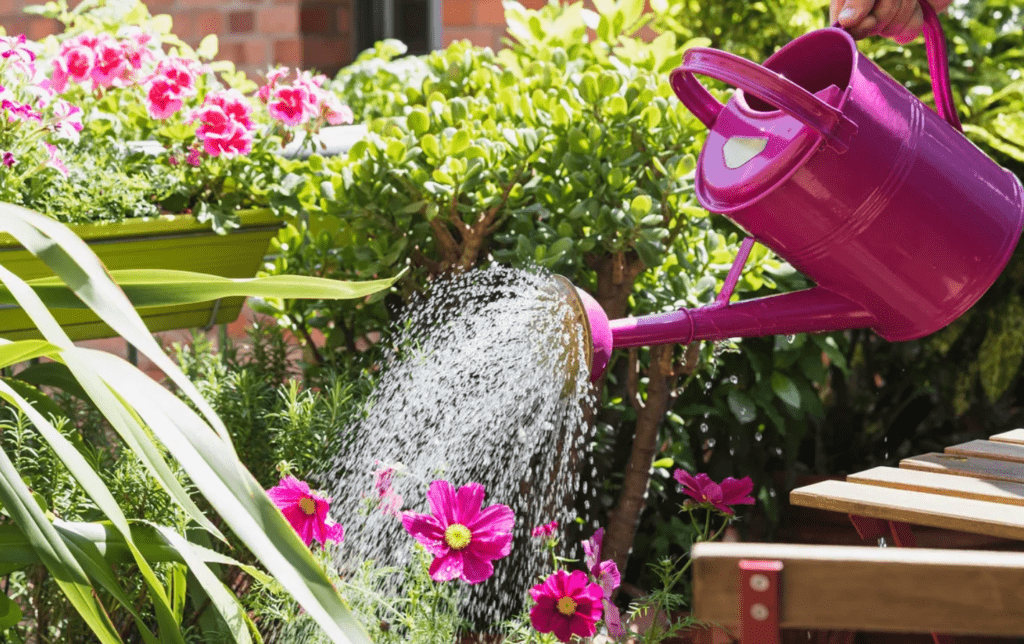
(710, 443)
(791, 339)
(758, 436)
(882, 543)
(772, 493)
(733, 379)
(704, 428)
(732, 451)
(707, 386)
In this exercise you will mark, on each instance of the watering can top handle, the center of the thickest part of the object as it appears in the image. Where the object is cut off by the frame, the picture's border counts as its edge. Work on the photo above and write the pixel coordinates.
(763, 83)
(790, 97)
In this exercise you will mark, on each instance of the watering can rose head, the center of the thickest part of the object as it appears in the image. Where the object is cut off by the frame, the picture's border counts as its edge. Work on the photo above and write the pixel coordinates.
(901, 222)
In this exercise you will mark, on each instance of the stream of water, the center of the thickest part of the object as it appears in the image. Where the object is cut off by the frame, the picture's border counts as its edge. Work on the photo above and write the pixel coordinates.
(486, 382)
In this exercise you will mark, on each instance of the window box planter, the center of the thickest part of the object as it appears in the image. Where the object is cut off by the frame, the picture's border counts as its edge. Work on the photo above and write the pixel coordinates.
(177, 242)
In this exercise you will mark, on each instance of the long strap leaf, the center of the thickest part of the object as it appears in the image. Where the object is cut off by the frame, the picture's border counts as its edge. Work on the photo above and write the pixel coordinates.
(65, 569)
(158, 287)
(233, 492)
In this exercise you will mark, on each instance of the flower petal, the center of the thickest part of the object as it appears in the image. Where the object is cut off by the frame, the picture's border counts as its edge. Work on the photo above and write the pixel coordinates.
(475, 569)
(560, 627)
(441, 496)
(491, 548)
(493, 518)
(576, 582)
(447, 567)
(581, 626)
(542, 614)
(737, 492)
(427, 530)
(468, 500)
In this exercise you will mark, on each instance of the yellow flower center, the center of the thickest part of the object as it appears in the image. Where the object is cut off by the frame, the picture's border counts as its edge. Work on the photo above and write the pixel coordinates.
(457, 536)
(566, 606)
(307, 505)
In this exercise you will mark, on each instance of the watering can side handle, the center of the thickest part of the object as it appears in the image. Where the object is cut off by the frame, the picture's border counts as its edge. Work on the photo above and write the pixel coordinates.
(768, 86)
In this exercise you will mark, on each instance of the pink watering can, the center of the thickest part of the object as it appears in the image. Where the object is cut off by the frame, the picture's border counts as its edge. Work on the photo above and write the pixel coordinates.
(901, 222)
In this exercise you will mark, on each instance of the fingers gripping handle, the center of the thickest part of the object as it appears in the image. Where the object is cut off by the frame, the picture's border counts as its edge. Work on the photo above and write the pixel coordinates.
(836, 129)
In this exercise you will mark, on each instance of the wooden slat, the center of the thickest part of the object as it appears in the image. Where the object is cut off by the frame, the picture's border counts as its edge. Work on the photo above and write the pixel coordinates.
(871, 589)
(982, 468)
(956, 486)
(1012, 436)
(966, 515)
(989, 449)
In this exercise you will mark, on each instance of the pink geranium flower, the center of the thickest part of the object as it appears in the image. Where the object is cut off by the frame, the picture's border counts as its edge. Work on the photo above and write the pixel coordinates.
(78, 62)
(110, 62)
(290, 104)
(567, 605)
(545, 530)
(273, 76)
(220, 134)
(162, 98)
(721, 496)
(463, 538)
(234, 104)
(334, 112)
(305, 511)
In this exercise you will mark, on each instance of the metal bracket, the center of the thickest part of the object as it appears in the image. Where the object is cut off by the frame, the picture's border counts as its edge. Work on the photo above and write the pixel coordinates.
(760, 589)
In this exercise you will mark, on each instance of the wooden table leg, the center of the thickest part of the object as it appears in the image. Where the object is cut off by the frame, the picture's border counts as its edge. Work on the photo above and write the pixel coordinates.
(902, 537)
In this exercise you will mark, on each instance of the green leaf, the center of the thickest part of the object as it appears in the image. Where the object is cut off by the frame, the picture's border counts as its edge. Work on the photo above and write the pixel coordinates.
(785, 389)
(742, 406)
(10, 612)
(418, 121)
(208, 47)
(159, 287)
(61, 563)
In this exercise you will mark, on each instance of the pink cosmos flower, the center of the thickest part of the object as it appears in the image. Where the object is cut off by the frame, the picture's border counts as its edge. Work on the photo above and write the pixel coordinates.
(463, 538)
(290, 104)
(545, 530)
(566, 605)
(305, 511)
(110, 62)
(705, 491)
(606, 575)
(388, 500)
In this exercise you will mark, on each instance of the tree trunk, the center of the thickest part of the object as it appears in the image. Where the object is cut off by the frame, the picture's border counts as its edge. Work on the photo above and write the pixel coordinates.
(624, 518)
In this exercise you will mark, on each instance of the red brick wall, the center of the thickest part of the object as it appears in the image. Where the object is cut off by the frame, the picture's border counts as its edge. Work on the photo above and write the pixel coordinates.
(308, 33)
(482, 22)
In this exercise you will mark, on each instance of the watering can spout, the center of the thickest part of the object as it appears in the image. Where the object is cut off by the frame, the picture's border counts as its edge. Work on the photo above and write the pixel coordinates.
(814, 310)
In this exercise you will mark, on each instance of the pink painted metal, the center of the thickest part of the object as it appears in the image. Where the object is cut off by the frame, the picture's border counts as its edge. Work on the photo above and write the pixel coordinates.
(900, 220)
(759, 601)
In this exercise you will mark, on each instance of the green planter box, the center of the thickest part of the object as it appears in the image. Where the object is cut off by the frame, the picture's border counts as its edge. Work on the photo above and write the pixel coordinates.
(176, 242)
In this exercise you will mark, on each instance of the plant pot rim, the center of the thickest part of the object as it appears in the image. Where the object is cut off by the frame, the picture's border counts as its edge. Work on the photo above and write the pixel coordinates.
(169, 225)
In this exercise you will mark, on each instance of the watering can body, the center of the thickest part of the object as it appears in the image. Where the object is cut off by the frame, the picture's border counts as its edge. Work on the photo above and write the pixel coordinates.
(899, 219)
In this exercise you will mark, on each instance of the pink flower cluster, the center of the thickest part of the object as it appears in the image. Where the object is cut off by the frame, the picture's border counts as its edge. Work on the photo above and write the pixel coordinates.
(101, 59)
(26, 95)
(570, 604)
(225, 123)
(303, 100)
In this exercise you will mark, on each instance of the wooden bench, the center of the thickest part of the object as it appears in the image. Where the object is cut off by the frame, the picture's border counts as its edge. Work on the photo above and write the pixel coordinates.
(856, 588)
